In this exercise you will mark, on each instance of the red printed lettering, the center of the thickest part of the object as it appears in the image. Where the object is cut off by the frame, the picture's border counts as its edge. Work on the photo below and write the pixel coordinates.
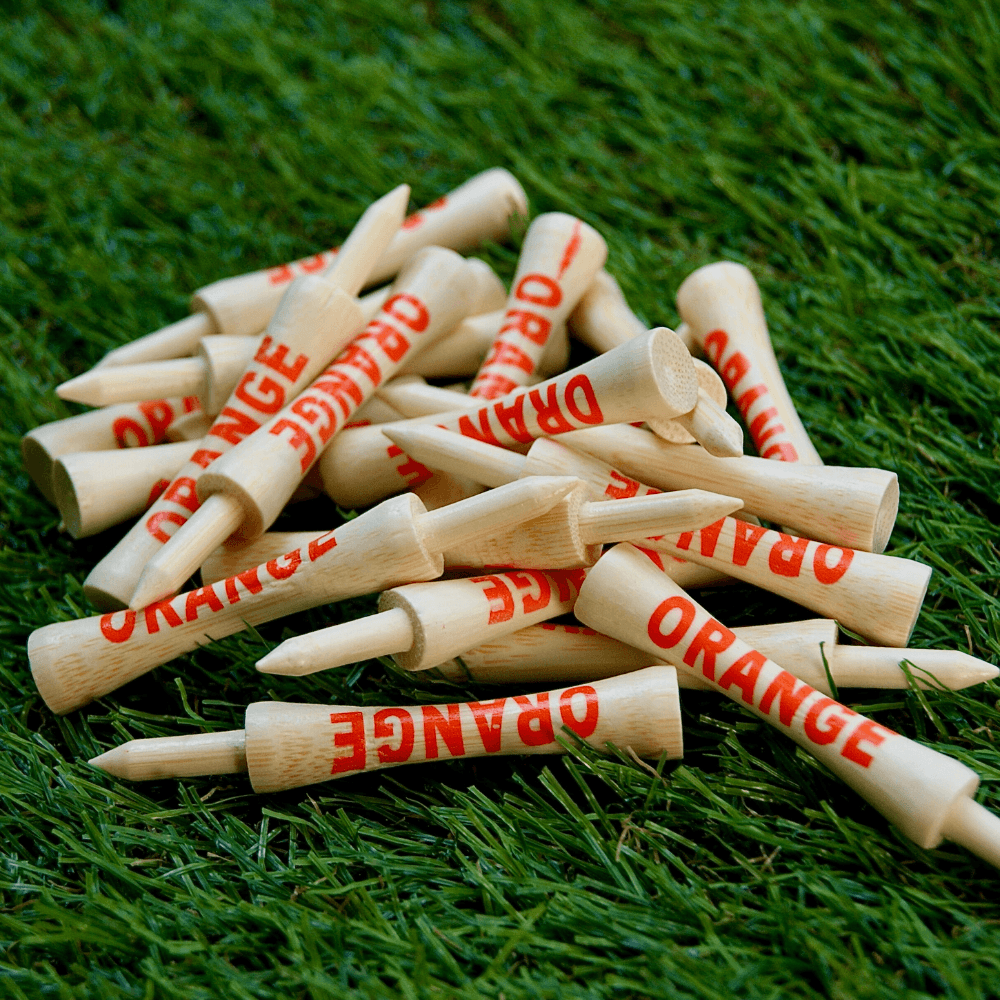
(785, 557)
(154, 494)
(534, 722)
(744, 673)
(734, 369)
(249, 579)
(746, 537)
(547, 413)
(123, 632)
(483, 433)
(170, 617)
(409, 310)
(199, 597)
(523, 579)
(129, 433)
(712, 638)
(834, 721)
(786, 688)
(593, 413)
(388, 338)
(270, 398)
(539, 289)
(299, 436)
(868, 732)
(489, 720)
(242, 425)
(160, 414)
(182, 492)
(418, 474)
(276, 359)
(582, 727)
(163, 516)
(497, 591)
(450, 730)
(284, 569)
(320, 546)
(670, 639)
(629, 487)
(822, 569)
(385, 730)
(354, 739)
(512, 419)
(536, 328)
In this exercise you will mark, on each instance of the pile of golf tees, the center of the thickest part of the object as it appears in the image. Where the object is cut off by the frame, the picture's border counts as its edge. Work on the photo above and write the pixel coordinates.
(609, 491)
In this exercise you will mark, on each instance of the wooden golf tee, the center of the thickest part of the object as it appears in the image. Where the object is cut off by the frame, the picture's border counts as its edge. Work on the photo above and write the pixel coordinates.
(559, 258)
(397, 542)
(721, 305)
(478, 210)
(289, 745)
(877, 596)
(211, 375)
(422, 624)
(461, 353)
(245, 490)
(572, 654)
(843, 506)
(315, 319)
(927, 795)
(98, 489)
(132, 425)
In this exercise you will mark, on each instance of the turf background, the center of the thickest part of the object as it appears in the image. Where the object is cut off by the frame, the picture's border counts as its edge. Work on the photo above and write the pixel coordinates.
(846, 152)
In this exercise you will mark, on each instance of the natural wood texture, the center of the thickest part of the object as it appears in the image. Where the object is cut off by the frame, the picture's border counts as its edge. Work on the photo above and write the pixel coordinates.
(289, 745)
(176, 757)
(225, 360)
(479, 210)
(721, 305)
(551, 653)
(710, 385)
(191, 427)
(74, 662)
(131, 383)
(559, 258)
(131, 425)
(260, 474)
(423, 624)
(602, 318)
(877, 596)
(314, 319)
(709, 425)
(648, 376)
(843, 506)
(174, 341)
(917, 789)
(460, 354)
(368, 240)
(95, 490)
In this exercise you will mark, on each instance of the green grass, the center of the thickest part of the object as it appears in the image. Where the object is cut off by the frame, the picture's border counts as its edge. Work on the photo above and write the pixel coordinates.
(846, 152)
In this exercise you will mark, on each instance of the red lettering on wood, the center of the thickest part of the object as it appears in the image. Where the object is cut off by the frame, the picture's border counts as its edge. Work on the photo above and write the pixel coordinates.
(582, 727)
(745, 539)
(290, 562)
(242, 425)
(826, 573)
(868, 732)
(449, 729)
(786, 688)
(249, 578)
(384, 729)
(123, 632)
(271, 396)
(670, 639)
(170, 617)
(547, 413)
(276, 359)
(196, 598)
(160, 517)
(580, 383)
(497, 591)
(534, 722)
(182, 492)
(744, 673)
(711, 639)
(539, 289)
(785, 557)
(354, 738)
(489, 720)
(536, 328)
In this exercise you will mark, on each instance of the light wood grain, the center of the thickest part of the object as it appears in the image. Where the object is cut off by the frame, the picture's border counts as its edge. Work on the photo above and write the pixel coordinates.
(721, 305)
(74, 662)
(96, 490)
(130, 425)
(314, 320)
(844, 506)
(559, 258)
(914, 787)
(290, 745)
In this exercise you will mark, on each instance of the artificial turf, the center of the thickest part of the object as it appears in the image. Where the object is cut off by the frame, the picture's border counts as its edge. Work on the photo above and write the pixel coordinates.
(846, 152)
